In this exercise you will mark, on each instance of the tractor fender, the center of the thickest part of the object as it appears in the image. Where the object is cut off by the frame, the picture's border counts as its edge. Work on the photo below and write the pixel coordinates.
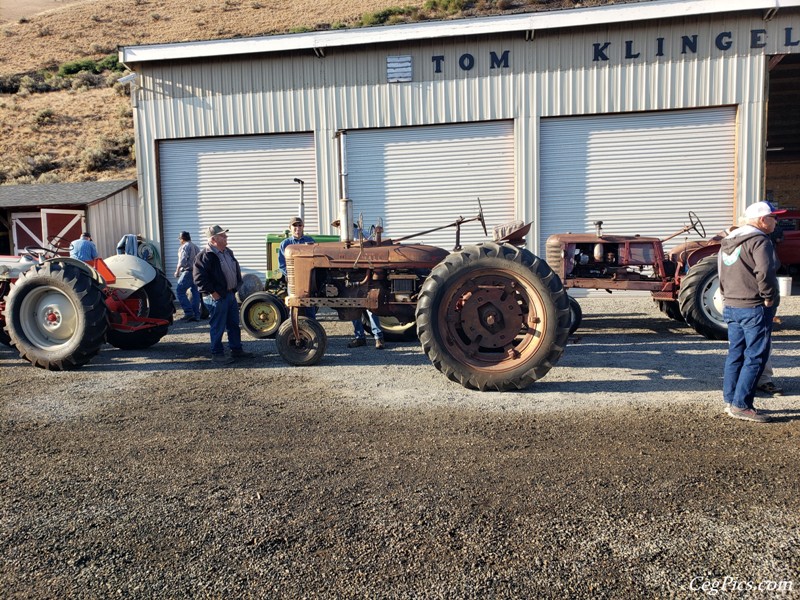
(132, 273)
(79, 264)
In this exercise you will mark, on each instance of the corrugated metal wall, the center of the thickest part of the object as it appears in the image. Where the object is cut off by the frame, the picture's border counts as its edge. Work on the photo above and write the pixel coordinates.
(114, 217)
(642, 173)
(552, 75)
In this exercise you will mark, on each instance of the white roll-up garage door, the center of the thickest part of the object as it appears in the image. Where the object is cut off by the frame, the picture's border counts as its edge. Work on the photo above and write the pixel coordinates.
(638, 173)
(245, 184)
(417, 178)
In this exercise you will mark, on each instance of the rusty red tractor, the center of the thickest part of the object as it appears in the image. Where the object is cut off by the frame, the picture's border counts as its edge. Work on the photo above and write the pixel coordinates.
(490, 316)
(685, 284)
(57, 311)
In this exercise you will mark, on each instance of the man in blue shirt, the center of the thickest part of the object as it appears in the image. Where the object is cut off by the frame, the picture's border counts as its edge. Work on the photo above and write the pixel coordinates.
(83, 248)
(296, 226)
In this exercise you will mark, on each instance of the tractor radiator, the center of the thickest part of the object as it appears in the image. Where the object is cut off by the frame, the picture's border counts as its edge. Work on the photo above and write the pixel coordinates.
(554, 255)
(290, 276)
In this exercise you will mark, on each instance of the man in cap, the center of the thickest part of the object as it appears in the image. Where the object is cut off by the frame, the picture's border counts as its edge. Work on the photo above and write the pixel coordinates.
(296, 226)
(83, 248)
(187, 252)
(217, 275)
(749, 287)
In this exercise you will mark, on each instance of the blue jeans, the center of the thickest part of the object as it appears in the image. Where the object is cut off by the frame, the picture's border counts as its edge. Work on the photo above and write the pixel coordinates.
(374, 325)
(186, 284)
(224, 315)
(749, 334)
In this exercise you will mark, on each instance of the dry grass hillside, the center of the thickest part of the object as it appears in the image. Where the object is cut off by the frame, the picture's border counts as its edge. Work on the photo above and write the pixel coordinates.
(78, 126)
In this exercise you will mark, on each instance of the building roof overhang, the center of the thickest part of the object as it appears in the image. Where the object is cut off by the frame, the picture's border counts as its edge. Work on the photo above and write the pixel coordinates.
(48, 195)
(319, 41)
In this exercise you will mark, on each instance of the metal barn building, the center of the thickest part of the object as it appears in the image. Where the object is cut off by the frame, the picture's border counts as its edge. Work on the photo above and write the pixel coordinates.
(633, 114)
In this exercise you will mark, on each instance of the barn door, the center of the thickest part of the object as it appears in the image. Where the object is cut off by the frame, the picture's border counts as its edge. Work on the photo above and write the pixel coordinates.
(26, 230)
(61, 227)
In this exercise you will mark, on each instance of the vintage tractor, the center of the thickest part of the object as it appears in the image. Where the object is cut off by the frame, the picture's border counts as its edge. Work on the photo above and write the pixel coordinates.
(685, 285)
(262, 308)
(490, 316)
(57, 312)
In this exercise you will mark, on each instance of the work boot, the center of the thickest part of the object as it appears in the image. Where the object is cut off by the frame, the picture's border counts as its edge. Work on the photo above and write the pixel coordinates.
(357, 343)
(378, 343)
(189, 318)
(771, 389)
(238, 354)
(221, 359)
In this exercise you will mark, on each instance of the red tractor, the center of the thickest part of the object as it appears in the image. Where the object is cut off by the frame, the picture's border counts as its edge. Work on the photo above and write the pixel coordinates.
(490, 316)
(57, 311)
(685, 284)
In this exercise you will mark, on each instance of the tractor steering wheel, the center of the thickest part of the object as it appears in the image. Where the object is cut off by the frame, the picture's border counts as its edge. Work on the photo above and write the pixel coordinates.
(695, 224)
(39, 253)
(481, 218)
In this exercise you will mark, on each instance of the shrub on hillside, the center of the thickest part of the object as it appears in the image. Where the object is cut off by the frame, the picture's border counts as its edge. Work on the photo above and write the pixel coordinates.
(85, 81)
(108, 153)
(78, 66)
(44, 117)
(9, 84)
(388, 15)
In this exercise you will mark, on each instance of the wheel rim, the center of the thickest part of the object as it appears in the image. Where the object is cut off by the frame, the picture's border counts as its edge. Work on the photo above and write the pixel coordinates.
(49, 318)
(489, 316)
(263, 316)
(300, 348)
(712, 300)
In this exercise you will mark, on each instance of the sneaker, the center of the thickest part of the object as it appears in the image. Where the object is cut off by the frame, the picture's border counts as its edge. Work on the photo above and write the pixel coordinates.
(221, 359)
(727, 408)
(771, 389)
(241, 354)
(190, 318)
(357, 343)
(378, 343)
(748, 414)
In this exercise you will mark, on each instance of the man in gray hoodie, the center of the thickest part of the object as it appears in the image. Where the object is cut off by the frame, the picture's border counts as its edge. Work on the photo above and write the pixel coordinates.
(750, 291)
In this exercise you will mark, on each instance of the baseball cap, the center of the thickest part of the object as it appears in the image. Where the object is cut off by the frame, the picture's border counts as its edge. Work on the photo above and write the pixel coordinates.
(296, 221)
(215, 230)
(761, 209)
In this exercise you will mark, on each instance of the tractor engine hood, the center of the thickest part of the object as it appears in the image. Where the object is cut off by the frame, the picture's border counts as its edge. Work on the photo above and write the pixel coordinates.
(336, 255)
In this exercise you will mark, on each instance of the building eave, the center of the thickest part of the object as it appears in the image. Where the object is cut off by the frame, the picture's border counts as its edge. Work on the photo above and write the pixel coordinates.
(319, 41)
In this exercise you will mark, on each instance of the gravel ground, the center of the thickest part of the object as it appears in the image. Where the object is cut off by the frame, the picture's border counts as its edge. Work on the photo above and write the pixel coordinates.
(156, 475)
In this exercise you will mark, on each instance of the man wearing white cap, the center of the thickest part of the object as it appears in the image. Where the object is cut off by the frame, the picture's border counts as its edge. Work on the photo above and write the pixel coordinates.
(749, 288)
(217, 274)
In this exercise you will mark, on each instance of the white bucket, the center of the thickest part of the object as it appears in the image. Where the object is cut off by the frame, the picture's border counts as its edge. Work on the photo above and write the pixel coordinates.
(785, 286)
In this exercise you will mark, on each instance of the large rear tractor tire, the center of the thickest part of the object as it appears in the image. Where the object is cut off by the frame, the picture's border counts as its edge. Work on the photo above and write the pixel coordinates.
(672, 309)
(307, 349)
(57, 316)
(700, 300)
(262, 314)
(493, 317)
(575, 315)
(154, 300)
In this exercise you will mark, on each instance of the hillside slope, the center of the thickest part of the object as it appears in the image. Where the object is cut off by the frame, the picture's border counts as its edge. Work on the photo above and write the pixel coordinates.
(85, 132)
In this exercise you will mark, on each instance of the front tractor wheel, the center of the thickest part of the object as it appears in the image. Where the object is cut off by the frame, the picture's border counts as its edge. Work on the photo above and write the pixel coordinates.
(304, 350)
(57, 316)
(493, 317)
(261, 314)
(700, 299)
